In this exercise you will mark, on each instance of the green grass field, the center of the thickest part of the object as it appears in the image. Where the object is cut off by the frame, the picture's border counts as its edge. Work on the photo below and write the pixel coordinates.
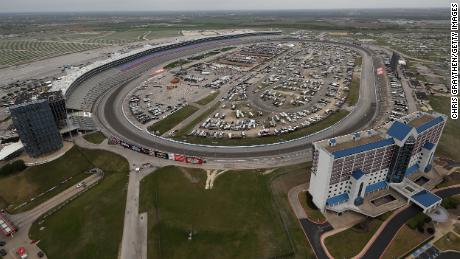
(405, 240)
(90, 226)
(14, 52)
(449, 141)
(312, 213)
(182, 132)
(350, 242)
(236, 219)
(172, 120)
(208, 98)
(332, 119)
(177, 63)
(449, 241)
(353, 94)
(95, 137)
(21, 187)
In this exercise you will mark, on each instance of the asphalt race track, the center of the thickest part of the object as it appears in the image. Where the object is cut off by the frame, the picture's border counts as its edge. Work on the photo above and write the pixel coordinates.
(110, 118)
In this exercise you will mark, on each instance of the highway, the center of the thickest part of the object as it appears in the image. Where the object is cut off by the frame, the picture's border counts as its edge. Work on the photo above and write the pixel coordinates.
(110, 118)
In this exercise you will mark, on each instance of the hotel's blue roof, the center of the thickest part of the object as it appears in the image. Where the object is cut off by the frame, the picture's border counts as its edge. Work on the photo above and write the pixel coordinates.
(428, 145)
(429, 124)
(337, 199)
(357, 174)
(426, 198)
(411, 170)
(399, 130)
(376, 186)
(362, 148)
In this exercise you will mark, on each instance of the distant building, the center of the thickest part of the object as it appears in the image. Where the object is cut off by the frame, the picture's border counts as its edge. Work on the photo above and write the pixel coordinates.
(37, 120)
(394, 61)
(348, 168)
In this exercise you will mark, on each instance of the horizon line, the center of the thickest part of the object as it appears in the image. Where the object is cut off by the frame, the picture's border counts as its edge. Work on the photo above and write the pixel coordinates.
(225, 10)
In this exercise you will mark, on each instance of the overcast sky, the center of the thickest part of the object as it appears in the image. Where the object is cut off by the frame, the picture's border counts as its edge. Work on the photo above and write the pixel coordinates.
(180, 5)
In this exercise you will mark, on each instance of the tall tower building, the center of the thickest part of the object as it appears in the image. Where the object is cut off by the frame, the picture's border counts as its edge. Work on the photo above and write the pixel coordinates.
(37, 124)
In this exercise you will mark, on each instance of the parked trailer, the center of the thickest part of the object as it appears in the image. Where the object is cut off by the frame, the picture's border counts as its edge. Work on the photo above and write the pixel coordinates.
(158, 154)
(6, 226)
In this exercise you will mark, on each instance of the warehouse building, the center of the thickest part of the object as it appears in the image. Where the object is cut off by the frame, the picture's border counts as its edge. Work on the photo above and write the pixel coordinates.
(348, 168)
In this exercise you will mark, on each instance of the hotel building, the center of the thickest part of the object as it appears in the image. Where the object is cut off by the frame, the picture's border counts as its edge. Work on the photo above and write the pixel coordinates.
(348, 168)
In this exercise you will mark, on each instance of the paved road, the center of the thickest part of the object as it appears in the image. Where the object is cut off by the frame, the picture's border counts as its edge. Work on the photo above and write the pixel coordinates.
(383, 240)
(110, 117)
(25, 219)
(133, 245)
(312, 231)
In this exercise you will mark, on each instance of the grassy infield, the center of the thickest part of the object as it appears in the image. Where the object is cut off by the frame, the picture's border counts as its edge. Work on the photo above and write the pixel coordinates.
(332, 119)
(172, 120)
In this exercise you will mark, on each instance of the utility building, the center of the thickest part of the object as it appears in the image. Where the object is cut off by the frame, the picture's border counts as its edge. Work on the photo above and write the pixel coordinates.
(347, 168)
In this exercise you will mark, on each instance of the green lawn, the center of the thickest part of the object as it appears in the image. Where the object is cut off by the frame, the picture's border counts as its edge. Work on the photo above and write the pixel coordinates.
(172, 120)
(350, 242)
(208, 98)
(177, 63)
(332, 119)
(312, 213)
(449, 241)
(182, 132)
(236, 219)
(281, 181)
(90, 226)
(18, 188)
(95, 137)
(405, 240)
(449, 143)
(353, 94)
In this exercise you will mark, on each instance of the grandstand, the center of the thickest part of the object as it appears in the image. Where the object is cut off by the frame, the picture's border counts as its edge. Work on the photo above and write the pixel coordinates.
(124, 67)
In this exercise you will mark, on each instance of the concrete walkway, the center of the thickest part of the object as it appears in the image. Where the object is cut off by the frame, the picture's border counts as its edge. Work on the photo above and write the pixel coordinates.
(134, 241)
(312, 230)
